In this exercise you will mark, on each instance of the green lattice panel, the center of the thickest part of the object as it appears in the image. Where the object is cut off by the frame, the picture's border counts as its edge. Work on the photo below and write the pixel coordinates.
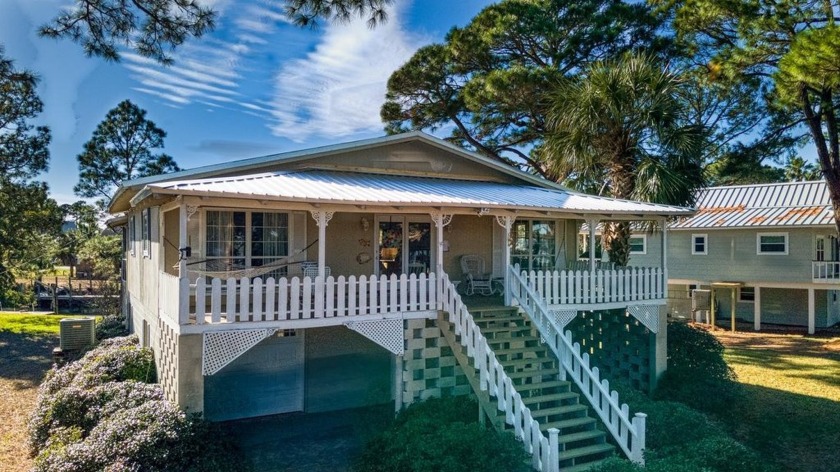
(429, 366)
(618, 344)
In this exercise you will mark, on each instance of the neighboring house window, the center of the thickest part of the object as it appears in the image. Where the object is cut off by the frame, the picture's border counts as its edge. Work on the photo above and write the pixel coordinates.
(146, 230)
(132, 233)
(772, 243)
(638, 244)
(534, 244)
(238, 239)
(746, 294)
(699, 244)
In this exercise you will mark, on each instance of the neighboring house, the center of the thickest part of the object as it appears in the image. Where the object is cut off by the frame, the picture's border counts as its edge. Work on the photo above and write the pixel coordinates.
(772, 248)
(325, 279)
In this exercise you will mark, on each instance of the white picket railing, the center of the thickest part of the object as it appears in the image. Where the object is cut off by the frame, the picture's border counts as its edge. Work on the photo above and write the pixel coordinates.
(492, 376)
(825, 271)
(579, 287)
(251, 300)
(628, 432)
(169, 298)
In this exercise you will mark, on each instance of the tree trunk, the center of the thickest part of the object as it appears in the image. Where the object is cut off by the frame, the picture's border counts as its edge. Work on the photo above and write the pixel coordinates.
(617, 234)
(826, 151)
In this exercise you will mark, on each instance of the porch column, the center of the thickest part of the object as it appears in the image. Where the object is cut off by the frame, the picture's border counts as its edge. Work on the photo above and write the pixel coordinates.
(712, 305)
(592, 223)
(441, 220)
(732, 309)
(663, 223)
(757, 310)
(506, 222)
(322, 219)
(184, 213)
(811, 312)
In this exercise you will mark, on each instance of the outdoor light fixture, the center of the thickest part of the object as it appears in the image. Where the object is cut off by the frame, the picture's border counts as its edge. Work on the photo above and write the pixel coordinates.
(483, 211)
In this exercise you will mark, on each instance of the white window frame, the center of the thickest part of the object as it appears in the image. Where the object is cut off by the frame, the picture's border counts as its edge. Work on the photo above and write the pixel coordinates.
(146, 231)
(132, 234)
(248, 227)
(758, 250)
(644, 243)
(740, 295)
(530, 256)
(705, 250)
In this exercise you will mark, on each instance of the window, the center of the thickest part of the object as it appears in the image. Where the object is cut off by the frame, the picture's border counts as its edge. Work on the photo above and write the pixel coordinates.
(638, 244)
(132, 233)
(238, 239)
(772, 243)
(534, 244)
(699, 244)
(746, 294)
(146, 230)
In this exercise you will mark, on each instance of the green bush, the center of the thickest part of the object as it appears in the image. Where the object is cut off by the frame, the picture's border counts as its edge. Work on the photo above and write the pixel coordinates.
(697, 374)
(111, 326)
(441, 435)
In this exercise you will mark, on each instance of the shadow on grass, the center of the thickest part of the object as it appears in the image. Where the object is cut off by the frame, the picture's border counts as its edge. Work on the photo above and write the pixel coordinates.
(799, 432)
(819, 369)
(25, 358)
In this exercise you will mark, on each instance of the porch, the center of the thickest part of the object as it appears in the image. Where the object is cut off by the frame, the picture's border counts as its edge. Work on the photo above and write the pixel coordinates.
(304, 302)
(825, 272)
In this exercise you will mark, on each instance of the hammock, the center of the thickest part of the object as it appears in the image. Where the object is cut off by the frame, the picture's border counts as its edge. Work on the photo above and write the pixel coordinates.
(221, 269)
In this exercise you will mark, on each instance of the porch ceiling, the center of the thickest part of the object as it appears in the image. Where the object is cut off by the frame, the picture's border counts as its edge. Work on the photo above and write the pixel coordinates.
(324, 187)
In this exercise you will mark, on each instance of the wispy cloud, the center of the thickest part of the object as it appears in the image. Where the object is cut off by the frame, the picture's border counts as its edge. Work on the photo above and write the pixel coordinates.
(337, 89)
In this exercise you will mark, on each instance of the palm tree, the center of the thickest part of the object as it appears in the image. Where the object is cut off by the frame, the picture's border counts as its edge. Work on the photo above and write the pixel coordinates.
(621, 127)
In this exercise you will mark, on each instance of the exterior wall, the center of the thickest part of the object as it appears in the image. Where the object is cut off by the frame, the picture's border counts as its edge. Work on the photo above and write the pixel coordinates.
(653, 251)
(142, 274)
(467, 235)
(429, 366)
(732, 257)
(345, 370)
(345, 241)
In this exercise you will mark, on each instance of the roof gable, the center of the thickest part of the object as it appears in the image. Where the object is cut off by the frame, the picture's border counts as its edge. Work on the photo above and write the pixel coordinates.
(413, 153)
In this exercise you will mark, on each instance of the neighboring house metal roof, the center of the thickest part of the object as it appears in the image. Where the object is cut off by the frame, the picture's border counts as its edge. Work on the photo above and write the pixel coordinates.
(766, 205)
(318, 186)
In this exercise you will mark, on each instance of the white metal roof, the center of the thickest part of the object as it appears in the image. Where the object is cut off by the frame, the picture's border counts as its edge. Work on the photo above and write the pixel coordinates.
(766, 205)
(319, 186)
(242, 166)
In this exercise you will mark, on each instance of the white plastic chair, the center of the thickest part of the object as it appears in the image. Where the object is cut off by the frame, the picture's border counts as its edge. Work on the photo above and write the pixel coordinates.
(477, 280)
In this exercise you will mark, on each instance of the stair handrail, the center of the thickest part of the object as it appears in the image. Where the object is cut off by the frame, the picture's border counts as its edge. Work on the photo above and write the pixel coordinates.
(492, 376)
(628, 432)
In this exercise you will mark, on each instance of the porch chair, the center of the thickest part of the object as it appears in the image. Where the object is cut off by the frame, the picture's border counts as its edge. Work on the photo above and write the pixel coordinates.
(477, 280)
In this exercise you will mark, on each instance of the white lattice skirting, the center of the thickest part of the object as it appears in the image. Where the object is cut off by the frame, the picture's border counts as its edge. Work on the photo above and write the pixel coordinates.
(387, 333)
(563, 317)
(648, 315)
(222, 348)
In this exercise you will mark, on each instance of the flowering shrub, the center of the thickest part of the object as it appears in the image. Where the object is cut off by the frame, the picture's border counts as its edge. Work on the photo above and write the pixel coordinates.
(83, 408)
(101, 414)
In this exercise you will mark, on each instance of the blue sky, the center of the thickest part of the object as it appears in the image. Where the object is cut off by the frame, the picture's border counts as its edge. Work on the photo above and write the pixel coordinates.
(254, 86)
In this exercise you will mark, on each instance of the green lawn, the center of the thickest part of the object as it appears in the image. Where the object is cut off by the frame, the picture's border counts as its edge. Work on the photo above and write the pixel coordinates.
(791, 409)
(31, 324)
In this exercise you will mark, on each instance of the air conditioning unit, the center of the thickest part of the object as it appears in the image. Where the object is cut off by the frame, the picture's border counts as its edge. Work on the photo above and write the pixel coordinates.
(76, 333)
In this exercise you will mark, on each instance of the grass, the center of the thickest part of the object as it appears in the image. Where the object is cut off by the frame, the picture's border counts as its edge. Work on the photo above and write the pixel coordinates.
(26, 343)
(31, 324)
(791, 408)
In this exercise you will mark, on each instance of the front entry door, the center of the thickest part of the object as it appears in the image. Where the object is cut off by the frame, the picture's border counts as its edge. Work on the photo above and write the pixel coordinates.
(403, 245)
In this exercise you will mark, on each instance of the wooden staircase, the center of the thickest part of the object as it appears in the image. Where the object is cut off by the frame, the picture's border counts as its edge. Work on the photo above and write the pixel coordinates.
(534, 371)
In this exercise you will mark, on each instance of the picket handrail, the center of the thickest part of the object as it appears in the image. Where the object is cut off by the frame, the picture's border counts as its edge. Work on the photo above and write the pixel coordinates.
(544, 451)
(253, 300)
(577, 287)
(628, 432)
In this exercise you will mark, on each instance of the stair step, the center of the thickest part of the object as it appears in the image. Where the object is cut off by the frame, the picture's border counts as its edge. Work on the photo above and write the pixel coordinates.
(559, 410)
(522, 350)
(522, 388)
(496, 319)
(493, 342)
(581, 436)
(501, 329)
(586, 451)
(570, 423)
(524, 374)
(514, 363)
(549, 397)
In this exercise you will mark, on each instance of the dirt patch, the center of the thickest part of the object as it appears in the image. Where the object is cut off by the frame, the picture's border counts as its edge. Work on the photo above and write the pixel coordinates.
(24, 359)
(826, 345)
